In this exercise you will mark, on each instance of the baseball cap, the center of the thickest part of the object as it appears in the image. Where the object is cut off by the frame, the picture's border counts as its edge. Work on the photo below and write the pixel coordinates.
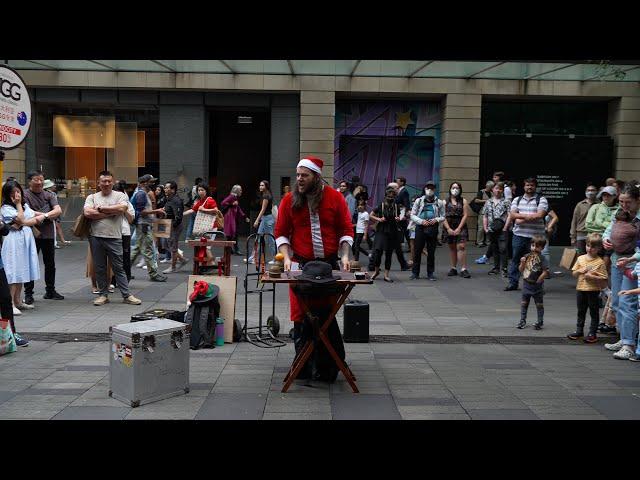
(430, 183)
(610, 190)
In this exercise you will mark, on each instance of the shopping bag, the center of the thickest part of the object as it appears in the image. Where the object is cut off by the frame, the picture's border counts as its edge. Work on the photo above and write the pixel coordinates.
(569, 257)
(81, 226)
(161, 228)
(7, 340)
(203, 223)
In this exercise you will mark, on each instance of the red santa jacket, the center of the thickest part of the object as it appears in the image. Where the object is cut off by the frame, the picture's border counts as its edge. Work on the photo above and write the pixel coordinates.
(314, 236)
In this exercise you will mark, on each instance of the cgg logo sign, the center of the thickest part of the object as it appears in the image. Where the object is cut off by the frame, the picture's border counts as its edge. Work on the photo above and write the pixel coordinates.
(10, 90)
(15, 109)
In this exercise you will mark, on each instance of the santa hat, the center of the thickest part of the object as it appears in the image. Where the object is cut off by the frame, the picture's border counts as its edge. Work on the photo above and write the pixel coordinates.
(312, 163)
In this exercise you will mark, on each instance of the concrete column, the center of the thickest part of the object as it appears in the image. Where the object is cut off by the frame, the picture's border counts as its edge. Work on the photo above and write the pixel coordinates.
(317, 127)
(624, 127)
(184, 147)
(460, 147)
(14, 164)
(285, 141)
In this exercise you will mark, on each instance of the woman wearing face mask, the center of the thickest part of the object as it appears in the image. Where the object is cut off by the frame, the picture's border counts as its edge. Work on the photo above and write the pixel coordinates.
(426, 215)
(388, 214)
(455, 230)
(578, 232)
(627, 305)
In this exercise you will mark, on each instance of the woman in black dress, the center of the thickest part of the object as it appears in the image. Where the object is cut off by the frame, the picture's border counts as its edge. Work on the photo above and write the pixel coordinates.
(387, 215)
(455, 233)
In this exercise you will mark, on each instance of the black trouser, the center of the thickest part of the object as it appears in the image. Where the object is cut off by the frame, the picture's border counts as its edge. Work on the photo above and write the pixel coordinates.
(6, 304)
(48, 256)
(398, 247)
(581, 246)
(588, 300)
(498, 247)
(126, 258)
(536, 292)
(385, 242)
(422, 239)
(509, 244)
(357, 248)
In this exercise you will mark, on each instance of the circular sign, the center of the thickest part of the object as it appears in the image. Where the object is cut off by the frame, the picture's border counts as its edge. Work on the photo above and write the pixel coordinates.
(15, 109)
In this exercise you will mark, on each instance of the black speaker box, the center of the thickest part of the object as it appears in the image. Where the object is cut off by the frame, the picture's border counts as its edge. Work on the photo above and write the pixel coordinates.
(356, 322)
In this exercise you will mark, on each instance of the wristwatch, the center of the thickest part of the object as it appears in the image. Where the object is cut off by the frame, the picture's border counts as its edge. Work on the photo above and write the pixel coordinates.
(46, 215)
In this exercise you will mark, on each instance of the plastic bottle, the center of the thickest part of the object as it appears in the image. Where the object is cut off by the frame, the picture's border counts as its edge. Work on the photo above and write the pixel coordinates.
(219, 332)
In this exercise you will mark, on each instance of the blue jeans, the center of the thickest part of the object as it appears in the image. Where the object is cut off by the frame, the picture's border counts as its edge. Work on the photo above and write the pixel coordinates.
(616, 282)
(192, 219)
(267, 224)
(627, 309)
(520, 247)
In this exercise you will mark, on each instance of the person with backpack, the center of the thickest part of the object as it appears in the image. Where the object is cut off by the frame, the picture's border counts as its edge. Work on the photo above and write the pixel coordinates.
(427, 213)
(527, 216)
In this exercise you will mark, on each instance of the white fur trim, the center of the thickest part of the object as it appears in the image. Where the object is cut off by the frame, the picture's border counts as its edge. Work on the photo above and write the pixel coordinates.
(305, 162)
(347, 239)
(282, 241)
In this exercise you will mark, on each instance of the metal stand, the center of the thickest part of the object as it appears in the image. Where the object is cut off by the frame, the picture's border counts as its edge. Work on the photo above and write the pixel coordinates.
(265, 337)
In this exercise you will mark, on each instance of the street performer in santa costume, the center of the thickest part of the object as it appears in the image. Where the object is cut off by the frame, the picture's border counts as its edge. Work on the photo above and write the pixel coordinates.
(313, 223)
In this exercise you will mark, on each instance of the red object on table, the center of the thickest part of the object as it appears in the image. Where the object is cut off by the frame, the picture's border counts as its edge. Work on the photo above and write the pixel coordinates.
(226, 261)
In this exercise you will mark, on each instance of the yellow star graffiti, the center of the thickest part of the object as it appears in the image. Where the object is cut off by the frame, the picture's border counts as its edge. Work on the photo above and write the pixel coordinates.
(403, 120)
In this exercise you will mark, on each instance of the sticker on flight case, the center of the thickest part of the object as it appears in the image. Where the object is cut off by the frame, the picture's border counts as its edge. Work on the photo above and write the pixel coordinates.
(122, 353)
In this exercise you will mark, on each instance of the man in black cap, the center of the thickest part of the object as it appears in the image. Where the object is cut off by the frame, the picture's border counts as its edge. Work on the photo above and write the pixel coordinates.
(143, 222)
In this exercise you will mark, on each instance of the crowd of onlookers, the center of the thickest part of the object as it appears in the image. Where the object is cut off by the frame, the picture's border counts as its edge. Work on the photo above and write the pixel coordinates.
(515, 229)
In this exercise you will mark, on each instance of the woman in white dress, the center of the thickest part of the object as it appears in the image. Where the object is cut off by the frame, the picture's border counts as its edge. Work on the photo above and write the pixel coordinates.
(19, 254)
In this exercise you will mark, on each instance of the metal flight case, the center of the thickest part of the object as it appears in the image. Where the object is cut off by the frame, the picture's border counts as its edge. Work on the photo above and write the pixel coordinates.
(260, 336)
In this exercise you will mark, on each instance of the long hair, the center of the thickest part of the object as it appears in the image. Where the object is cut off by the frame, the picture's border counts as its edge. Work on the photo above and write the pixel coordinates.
(267, 187)
(311, 197)
(7, 190)
(459, 197)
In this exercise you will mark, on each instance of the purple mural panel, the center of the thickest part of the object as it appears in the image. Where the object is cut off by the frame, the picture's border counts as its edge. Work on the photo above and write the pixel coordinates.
(379, 141)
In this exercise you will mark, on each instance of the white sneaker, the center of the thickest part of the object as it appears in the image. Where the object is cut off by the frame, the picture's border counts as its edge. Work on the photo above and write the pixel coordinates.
(165, 260)
(170, 270)
(144, 268)
(16, 311)
(26, 306)
(614, 347)
(140, 264)
(625, 353)
(180, 252)
(112, 288)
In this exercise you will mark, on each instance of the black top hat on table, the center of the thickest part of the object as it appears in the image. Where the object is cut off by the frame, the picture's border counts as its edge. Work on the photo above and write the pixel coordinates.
(318, 273)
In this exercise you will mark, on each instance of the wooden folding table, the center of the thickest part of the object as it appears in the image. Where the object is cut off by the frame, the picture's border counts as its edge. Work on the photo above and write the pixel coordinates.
(342, 288)
(228, 250)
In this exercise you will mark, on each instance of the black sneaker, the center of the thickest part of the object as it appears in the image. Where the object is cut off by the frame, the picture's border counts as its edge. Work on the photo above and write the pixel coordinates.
(538, 325)
(28, 299)
(452, 273)
(431, 277)
(522, 324)
(601, 326)
(52, 296)
(465, 273)
(575, 335)
(510, 288)
(608, 329)
(413, 277)
(494, 271)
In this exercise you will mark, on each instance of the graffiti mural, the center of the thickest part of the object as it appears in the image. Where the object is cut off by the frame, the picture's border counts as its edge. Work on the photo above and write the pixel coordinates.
(379, 142)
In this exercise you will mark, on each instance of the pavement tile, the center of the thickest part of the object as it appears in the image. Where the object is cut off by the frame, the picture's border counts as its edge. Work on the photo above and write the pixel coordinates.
(430, 409)
(436, 416)
(502, 414)
(6, 395)
(423, 401)
(615, 408)
(233, 406)
(350, 406)
(297, 416)
(92, 413)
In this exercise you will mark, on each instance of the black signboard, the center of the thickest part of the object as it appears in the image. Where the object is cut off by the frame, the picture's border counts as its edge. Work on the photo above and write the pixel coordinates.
(562, 165)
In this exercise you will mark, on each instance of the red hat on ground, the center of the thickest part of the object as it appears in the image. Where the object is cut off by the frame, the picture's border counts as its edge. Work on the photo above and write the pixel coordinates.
(312, 163)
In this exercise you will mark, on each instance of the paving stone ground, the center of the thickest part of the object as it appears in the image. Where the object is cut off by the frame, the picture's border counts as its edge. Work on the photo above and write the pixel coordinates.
(445, 381)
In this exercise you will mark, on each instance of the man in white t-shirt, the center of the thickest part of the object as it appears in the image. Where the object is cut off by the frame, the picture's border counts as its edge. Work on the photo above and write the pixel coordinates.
(106, 210)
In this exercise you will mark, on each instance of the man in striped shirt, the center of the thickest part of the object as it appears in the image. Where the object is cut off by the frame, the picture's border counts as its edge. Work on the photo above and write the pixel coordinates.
(527, 216)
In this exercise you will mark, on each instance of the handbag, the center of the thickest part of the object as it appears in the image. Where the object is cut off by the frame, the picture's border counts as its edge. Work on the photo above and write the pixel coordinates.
(7, 339)
(81, 227)
(497, 225)
(203, 223)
